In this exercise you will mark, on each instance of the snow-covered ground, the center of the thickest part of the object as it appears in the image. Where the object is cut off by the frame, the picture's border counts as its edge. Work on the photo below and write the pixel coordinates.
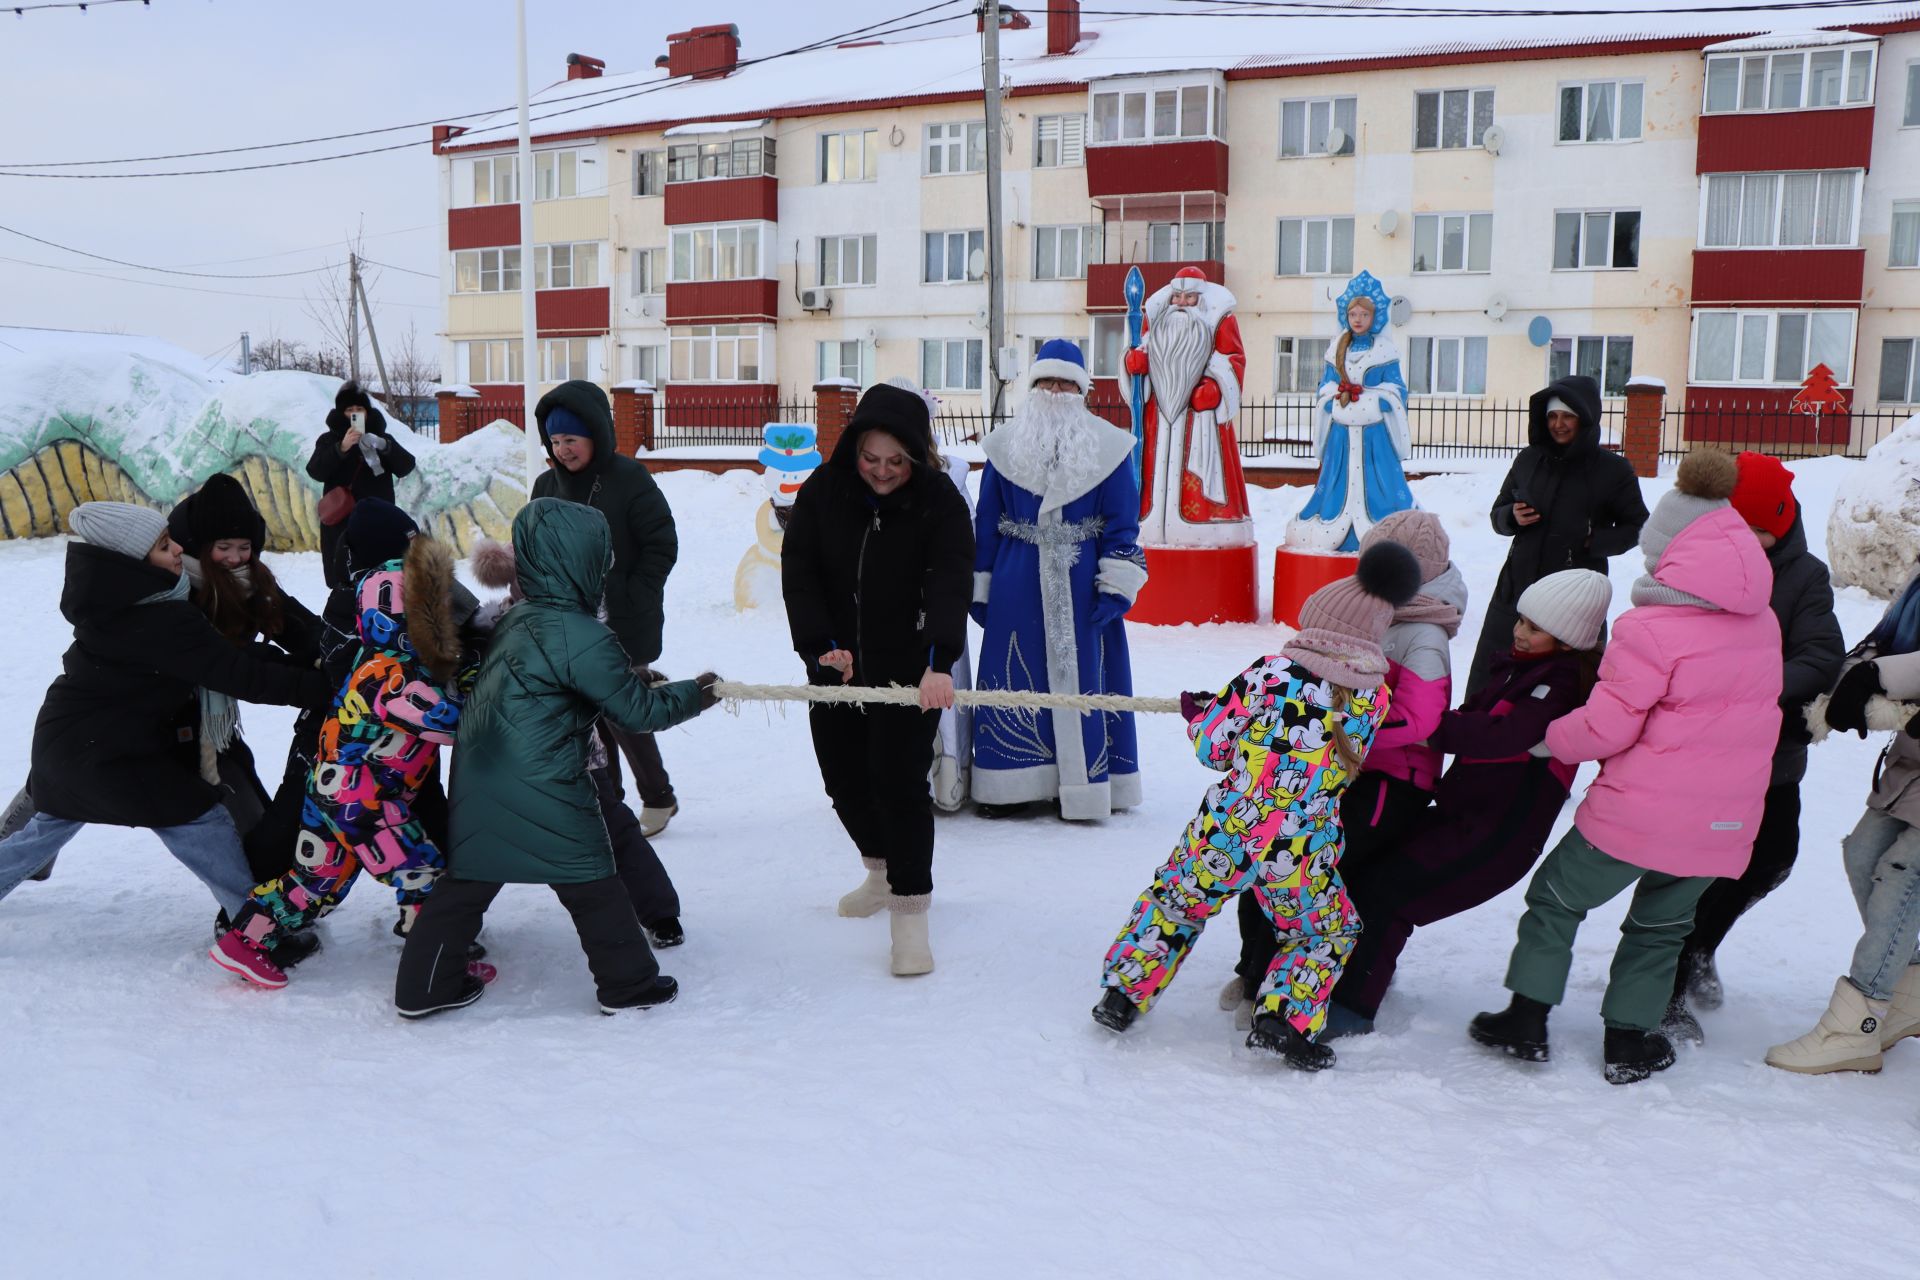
(801, 1113)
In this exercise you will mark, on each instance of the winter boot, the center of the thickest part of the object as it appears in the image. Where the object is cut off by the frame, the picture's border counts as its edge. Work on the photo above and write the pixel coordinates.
(667, 933)
(237, 953)
(1903, 1012)
(1235, 1000)
(1275, 1035)
(481, 971)
(288, 947)
(470, 990)
(912, 954)
(1342, 1021)
(1520, 1030)
(1001, 810)
(663, 990)
(872, 894)
(1634, 1055)
(1115, 1012)
(653, 821)
(1678, 1023)
(1847, 1037)
(1702, 979)
(475, 950)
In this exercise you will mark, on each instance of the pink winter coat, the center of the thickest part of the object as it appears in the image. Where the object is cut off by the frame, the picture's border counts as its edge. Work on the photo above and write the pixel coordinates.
(1686, 714)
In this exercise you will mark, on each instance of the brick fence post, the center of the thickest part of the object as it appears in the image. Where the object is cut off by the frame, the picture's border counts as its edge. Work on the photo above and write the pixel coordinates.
(448, 402)
(632, 416)
(833, 404)
(1646, 416)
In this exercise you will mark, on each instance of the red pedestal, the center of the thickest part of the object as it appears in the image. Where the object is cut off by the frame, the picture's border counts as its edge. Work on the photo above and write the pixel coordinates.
(1199, 584)
(1297, 575)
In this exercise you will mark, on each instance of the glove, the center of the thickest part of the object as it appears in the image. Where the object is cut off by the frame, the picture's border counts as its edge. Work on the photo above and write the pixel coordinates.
(1108, 606)
(1136, 361)
(379, 442)
(1847, 707)
(704, 682)
(1192, 704)
(1205, 397)
(1913, 727)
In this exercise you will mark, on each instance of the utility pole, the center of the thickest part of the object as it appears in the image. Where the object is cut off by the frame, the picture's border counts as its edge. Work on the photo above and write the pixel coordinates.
(246, 353)
(353, 317)
(996, 247)
(529, 341)
(373, 338)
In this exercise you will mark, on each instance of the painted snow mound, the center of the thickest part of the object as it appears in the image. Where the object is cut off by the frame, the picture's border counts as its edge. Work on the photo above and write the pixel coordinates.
(1874, 530)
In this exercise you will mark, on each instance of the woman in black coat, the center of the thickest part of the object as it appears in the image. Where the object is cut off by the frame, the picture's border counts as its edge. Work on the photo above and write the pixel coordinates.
(356, 457)
(1567, 503)
(877, 571)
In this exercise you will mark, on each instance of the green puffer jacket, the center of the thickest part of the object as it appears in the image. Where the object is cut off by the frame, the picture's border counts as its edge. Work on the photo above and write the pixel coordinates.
(523, 806)
(620, 488)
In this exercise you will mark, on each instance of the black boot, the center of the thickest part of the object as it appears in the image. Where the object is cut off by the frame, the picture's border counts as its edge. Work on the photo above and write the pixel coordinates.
(46, 871)
(666, 933)
(1702, 980)
(469, 991)
(1678, 1023)
(1635, 1055)
(663, 990)
(1000, 810)
(1519, 1030)
(1275, 1035)
(1115, 1012)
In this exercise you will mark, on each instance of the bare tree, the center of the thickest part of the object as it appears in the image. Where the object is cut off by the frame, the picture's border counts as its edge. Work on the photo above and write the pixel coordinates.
(275, 352)
(329, 303)
(413, 377)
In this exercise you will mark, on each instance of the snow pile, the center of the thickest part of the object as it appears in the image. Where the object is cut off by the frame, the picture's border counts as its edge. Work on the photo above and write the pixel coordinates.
(1873, 532)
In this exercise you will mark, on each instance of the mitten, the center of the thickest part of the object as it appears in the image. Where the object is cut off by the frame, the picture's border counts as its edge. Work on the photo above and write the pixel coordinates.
(1205, 397)
(1108, 606)
(1136, 361)
(705, 682)
(1847, 708)
(1192, 704)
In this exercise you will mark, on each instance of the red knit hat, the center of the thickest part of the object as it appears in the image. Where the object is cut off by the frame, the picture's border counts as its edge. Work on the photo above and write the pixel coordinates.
(1764, 493)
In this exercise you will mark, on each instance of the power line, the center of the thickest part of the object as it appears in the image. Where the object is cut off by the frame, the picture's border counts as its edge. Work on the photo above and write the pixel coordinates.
(425, 275)
(171, 271)
(1280, 9)
(188, 288)
(22, 10)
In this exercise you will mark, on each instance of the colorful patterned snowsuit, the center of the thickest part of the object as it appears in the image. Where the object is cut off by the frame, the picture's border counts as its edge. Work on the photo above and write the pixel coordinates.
(1271, 825)
(377, 749)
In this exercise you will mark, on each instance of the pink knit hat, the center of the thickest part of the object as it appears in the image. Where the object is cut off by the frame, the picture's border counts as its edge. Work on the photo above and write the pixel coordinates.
(1419, 532)
(1342, 623)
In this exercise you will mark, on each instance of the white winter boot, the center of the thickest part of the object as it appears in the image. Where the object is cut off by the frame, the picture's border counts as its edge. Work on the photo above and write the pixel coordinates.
(872, 893)
(1235, 1000)
(1903, 1012)
(1847, 1037)
(912, 954)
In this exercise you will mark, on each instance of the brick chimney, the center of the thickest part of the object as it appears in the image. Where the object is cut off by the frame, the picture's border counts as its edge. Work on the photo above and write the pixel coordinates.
(1063, 26)
(581, 67)
(445, 133)
(705, 53)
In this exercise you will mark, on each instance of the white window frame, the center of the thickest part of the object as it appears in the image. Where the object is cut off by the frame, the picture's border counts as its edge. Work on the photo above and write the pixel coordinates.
(649, 172)
(1583, 241)
(647, 272)
(854, 149)
(1909, 210)
(717, 159)
(723, 345)
(1339, 110)
(1476, 132)
(1170, 241)
(970, 239)
(1300, 353)
(1782, 63)
(1067, 132)
(1048, 243)
(1910, 104)
(575, 255)
(1147, 125)
(1439, 348)
(1586, 89)
(1329, 229)
(838, 348)
(1441, 224)
(500, 187)
(971, 354)
(567, 359)
(1106, 345)
(1769, 337)
(1778, 211)
(687, 268)
(851, 259)
(499, 358)
(500, 264)
(941, 145)
(1910, 385)
(647, 362)
(1575, 345)
(558, 173)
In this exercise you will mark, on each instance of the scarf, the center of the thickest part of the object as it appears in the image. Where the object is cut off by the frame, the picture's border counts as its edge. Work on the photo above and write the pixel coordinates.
(1650, 590)
(219, 713)
(178, 591)
(1426, 608)
(1898, 630)
(370, 452)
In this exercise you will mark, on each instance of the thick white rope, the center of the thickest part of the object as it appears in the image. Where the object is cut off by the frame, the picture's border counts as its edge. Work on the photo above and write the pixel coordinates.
(734, 693)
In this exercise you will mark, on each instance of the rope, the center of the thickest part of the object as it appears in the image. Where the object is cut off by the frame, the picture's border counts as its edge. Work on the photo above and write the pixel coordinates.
(734, 693)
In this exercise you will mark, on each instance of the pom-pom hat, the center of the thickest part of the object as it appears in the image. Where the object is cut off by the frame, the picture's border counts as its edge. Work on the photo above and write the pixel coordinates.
(1059, 358)
(1570, 606)
(1342, 624)
(1705, 481)
(1419, 532)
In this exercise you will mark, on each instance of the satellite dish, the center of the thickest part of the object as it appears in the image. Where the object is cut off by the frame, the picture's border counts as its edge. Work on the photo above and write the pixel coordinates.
(1388, 224)
(1336, 140)
(1400, 310)
(1496, 307)
(1494, 139)
(1540, 331)
(980, 318)
(873, 333)
(976, 264)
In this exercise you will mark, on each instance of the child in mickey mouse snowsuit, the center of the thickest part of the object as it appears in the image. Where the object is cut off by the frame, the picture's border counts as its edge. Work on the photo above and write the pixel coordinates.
(1290, 733)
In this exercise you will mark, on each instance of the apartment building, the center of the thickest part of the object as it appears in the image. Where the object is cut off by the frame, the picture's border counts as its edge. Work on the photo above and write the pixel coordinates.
(1717, 208)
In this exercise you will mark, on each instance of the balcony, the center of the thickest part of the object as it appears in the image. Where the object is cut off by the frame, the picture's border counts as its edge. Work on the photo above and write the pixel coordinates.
(1778, 277)
(1782, 140)
(1107, 281)
(1160, 235)
(1157, 168)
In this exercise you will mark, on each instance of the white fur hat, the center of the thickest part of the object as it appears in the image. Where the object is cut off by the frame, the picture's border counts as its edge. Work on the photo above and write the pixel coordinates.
(1570, 606)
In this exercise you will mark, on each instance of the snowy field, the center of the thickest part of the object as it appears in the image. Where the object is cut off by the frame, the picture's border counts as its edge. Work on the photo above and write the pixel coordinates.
(799, 1112)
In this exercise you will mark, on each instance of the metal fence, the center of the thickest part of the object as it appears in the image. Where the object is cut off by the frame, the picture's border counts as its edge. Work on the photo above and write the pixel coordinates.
(1768, 428)
(491, 408)
(728, 420)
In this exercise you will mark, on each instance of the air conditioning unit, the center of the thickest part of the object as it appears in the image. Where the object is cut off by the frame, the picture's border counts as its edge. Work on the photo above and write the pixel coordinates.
(815, 300)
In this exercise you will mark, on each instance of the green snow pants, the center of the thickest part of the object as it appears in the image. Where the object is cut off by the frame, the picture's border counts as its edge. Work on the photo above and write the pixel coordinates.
(1573, 880)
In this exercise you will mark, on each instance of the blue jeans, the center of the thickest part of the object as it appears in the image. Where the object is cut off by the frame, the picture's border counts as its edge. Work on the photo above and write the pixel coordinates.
(209, 846)
(1882, 856)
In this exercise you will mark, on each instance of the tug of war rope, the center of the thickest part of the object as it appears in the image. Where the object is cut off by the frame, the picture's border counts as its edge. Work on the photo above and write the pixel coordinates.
(733, 693)
(1883, 714)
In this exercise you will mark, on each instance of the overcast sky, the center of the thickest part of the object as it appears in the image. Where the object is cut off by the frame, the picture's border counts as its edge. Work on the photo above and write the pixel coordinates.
(188, 75)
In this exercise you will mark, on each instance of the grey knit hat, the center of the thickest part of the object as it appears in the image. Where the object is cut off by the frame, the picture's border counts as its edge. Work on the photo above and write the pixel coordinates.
(1705, 481)
(1570, 606)
(118, 526)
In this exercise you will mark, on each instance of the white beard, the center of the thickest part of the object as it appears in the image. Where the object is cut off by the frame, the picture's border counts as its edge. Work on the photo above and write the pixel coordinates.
(1178, 347)
(1055, 437)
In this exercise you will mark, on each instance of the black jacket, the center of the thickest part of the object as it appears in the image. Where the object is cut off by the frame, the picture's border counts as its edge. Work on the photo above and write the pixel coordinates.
(114, 740)
(335, 470)
(1810, 641)
(645, 545)
(887, 578)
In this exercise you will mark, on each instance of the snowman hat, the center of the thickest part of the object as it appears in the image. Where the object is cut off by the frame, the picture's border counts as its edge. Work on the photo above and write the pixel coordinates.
(1059, 358)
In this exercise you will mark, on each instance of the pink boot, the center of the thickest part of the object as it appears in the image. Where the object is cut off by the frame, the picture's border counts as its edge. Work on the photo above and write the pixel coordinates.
(238, 954)
(482, 970)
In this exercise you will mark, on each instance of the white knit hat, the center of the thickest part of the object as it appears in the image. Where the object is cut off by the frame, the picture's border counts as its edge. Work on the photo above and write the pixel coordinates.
(118, 526)
(1570, 606)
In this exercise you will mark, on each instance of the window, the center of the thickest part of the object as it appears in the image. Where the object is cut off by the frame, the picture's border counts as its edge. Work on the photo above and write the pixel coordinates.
(727, 251)
(1601, 111)
(493, 180)
(735, 158)
(1903, 249)
(952, 364)
(1298, 365)
(486, 271)
(567, 359)
(649, 173)
(1788, 210)
(648, 364)
(1898, 371)
(840, 360)
(716, 353)
(1448, 119)
(1793, 81)
(1108, 347)
(949, 256)
(1153, 110)
(1608, 361)
(1447, 367)
(1771, 347)
(556, 174)
(1452, 242)
(846, 260)
(1316, 246)
(1596, 239)
(1185, 241)
(1306, 122)
(1911, 115)
(960, 147)
(492, 361)
(1059, 142)
(1062, 253)
(849, 157)
(566, 266)
(649, 272)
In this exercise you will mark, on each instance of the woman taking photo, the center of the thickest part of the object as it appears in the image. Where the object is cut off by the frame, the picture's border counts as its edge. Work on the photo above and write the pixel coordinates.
(877, 571)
